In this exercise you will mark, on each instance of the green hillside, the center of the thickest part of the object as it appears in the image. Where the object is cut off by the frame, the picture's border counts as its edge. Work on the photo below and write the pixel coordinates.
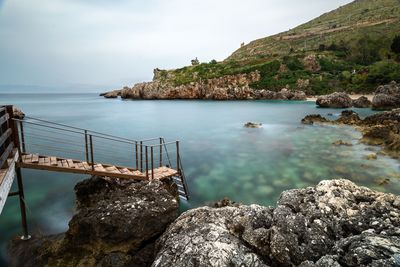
(351, 49)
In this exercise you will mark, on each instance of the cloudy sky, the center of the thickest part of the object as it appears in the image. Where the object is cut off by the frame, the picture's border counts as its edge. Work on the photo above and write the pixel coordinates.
(111, 43)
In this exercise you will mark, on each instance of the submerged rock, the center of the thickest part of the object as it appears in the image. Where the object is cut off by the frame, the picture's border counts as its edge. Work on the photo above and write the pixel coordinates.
(335, 100)
(115, 225)
(332, 224)
(253, 125)
(313, 118)
(341, 143)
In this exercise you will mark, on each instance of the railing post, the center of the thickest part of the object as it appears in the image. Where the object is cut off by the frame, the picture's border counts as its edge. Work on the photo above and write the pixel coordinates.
(12, 124)
(177, 156)
(86, 146)
(21, 127)
(91, 151)
(152, 162)
(22, 206)
(161, 142)
(141, 156)
(147, 163)
(136, 152)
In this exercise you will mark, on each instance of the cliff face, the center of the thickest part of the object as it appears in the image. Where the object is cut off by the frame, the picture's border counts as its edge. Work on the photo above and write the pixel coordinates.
(335, 223)
(229, 87)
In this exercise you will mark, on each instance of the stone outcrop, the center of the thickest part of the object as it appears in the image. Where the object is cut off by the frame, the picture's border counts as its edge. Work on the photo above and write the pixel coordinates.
(311, 63)
(229, 87)
(313, 118)
(253, 125)
(335, 100)
(387, 96)
(116, 224)
(335, 223)
(362, 102)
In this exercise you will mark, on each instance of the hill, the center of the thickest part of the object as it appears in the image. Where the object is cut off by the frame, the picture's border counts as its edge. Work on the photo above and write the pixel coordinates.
(348, 49)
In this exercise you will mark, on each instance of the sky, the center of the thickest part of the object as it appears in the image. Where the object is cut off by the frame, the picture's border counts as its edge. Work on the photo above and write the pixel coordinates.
(112, 43)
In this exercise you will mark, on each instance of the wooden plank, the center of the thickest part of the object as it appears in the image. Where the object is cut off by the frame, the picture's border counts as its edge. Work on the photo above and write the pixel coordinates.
(64, 163)
(6, 154)
(71, 164)
(7, 178)
(112, 169)
(5, 136)
(53, 161)
(4, 118)
(79, 165)
(41, 160)
(125, 171)
(86, 165)
(28, 158)
(99, 167)
(35, 158)
(47, 161)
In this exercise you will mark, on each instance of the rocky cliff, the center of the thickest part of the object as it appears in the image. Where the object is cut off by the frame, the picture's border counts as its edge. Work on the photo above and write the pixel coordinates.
(335, 223)
(229, 87)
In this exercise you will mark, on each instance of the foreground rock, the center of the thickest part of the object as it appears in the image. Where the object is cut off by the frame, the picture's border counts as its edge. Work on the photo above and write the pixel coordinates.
(115, 225)
(387, 96)
(253, 125)
(335, 100)
(362, 102)
(313, 118)
(335, 223)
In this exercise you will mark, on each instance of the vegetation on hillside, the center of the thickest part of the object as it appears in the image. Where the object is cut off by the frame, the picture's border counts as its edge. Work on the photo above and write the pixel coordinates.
(357, 47)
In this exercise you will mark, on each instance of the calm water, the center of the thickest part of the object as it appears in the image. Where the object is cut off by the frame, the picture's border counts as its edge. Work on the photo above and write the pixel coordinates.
(220, 157)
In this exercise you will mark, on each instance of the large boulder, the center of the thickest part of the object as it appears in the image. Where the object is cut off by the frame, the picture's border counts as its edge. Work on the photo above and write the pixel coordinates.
(116, 224)
(387, 96)
(335, 100)
(335, 223)
(362, 102)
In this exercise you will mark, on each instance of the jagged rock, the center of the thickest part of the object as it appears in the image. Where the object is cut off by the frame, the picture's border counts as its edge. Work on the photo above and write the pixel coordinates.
(116, 224)
(362, 102)
(387, 96)
(335, 100)
(313, 118)
(253, 125)
(332, 224)
(112, 94)
(341, 143)
(348, 117)
(18, 114)
(311, 63)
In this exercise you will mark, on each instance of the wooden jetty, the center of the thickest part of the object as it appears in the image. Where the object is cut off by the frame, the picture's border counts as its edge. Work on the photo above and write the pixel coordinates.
(33, 143)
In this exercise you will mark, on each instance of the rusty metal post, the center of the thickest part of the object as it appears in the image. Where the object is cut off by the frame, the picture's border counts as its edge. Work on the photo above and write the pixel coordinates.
(161, 142)
(141, 156)
(22, 206)
(136, 152)
(21, 127)
(91, 151)
(86, 146)
(177, 157)
(152, 162)
(147, 162)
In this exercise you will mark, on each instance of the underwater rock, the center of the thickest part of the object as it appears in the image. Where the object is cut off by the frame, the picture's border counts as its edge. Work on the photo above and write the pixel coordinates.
(372, 156)
(341, 143)
(114, 222)
(325, 224)
(348, 117)
(313, 118)
(253, 125)
(335, 100)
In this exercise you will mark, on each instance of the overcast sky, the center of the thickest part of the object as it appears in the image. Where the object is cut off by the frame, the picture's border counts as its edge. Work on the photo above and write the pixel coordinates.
(119, 42)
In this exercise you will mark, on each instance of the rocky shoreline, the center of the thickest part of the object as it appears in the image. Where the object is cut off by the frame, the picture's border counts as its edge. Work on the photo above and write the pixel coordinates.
(335, 223)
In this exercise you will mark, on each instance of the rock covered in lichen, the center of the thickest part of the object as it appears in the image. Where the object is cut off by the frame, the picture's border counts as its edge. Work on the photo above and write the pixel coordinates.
(335, 100)
(335, 223)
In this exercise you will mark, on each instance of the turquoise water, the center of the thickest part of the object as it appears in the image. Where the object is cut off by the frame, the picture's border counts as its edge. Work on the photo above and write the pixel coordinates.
(220, 157)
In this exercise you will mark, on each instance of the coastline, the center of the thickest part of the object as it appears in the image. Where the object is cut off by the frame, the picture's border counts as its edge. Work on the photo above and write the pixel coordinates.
(353, 97)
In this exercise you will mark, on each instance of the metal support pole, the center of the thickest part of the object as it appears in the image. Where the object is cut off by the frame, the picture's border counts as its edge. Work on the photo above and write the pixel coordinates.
(141, 156)
(91, 151)
(22, 206)
(86, 146)
(152, 163)
(177, 157)
(147, 163)
(136, 152)
(21, 127)
(161, 142)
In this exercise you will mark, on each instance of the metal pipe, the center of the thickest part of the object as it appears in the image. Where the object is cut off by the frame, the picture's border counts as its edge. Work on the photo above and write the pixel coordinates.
(136, 152)
(141, 156)
(91, 151)
(22, 206)
(147, 162)
(152, 163)
(177, 157)
(86, 146)
(161, 141)
(21, 127)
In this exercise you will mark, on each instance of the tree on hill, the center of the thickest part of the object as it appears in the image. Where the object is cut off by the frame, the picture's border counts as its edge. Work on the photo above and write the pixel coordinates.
(195, 62)
(396, 45)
